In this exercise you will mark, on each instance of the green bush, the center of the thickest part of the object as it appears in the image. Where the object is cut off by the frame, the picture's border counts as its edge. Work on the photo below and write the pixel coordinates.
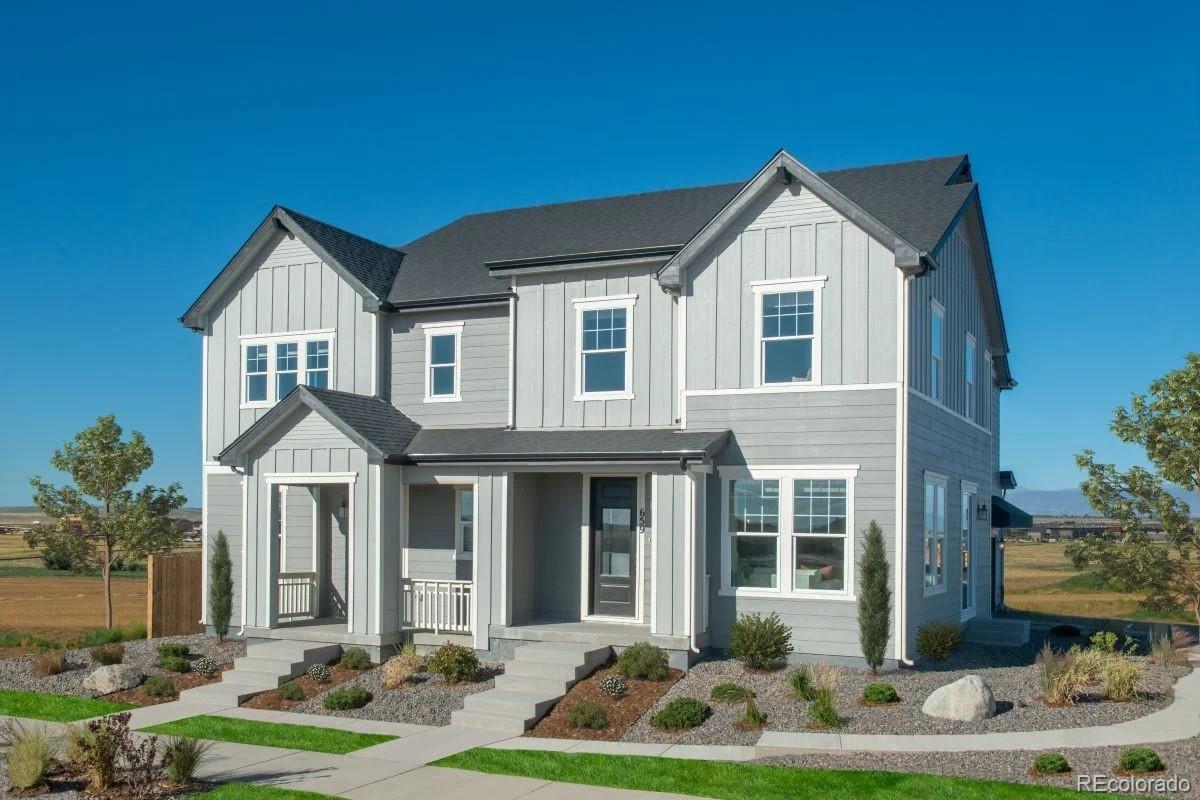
(159, 686)
(355, 658)
(937, 640)
(802, 685)
(1120, 678)
(182, 757)
(128, 632)
(319, 673)
(290, 691)
(821, 711)
(347, 699)
(643, 661)
(108, 654)
(1140, 759)
(758, 641)
(680, 714)
(729, 693)
(174, 664)
(1050, 764)
(614, 686)
(880, 693)
(206, 666)
(874, 599)
(220, 586)
(172, 650)
(1104, 641)
(455, 663)
(753, 719)
(585, 714)
(31, 752)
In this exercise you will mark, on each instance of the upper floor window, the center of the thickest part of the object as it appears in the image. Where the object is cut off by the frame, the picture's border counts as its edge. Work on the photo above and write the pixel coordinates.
(937, 331)
(443, 343)
(935, 533)
(787, 331)
(464, 521)
(274, 364)
(604, 360)
(969, 377)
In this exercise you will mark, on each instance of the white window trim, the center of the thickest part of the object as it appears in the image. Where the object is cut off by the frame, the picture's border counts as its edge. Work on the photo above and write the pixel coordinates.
(812, 284)
(970, 377)
(459, 553)
(936, 479)
(783, 553)
(966, 514)
(989, 370)
(443, 329)
(625, 301)
(937, 391)
(301, 339)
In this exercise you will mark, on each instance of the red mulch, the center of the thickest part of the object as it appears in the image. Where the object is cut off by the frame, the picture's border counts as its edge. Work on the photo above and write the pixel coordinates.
(622, 712)
(188, 680)
(271, 701)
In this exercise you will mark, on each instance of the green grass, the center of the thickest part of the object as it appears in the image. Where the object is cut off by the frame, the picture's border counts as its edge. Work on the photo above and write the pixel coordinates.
(124, 633)
(728, 781)
(1082, 583)
(270, 734)
(250, 791)
(53, 707)
(26, 571)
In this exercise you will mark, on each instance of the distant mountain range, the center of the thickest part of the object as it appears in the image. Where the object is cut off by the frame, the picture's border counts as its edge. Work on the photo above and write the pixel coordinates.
(1071, 502)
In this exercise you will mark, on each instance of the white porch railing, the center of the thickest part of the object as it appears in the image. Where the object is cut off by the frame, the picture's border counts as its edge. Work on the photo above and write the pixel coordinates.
(297, 596)
(438, 606)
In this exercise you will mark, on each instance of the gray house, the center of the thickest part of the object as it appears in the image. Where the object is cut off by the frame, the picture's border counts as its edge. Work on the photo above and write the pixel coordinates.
(615, 420)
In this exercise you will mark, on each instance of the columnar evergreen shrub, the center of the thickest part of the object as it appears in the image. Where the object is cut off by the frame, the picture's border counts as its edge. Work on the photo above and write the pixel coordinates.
(874, 599)
(220, 586)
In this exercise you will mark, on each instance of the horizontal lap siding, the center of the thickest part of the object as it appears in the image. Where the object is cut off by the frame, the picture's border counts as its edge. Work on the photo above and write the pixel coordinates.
(224, 514)
(804, 429)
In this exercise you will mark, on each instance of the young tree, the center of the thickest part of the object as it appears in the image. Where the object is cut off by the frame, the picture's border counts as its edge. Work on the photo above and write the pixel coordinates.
(1166, 424)
(101, 519)
(875, 599)
(220, 586)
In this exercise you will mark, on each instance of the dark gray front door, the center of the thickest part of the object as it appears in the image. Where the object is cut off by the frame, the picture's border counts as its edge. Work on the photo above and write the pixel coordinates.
(614, 547)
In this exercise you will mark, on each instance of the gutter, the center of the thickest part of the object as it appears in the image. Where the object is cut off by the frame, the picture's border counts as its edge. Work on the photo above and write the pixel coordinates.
(496, 298)
(657, 456)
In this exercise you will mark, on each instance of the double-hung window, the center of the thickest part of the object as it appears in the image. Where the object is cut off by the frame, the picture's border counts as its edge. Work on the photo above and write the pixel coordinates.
(969, 377)
(787, 331)
(464, 521)
(287, 368)
(935, 533)
(789, 532)
(316, 366)
(443, 351)
(937, 333)
(604, 357)
(274, 364)
(256, 374)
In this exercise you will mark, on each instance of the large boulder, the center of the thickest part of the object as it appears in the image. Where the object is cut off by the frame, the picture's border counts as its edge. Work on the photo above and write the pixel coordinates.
(968, 699)
(113, 678)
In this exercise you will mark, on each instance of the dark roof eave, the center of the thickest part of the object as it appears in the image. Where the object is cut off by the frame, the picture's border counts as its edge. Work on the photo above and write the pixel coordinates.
(664, 251)
(656, 456)
(441, 302)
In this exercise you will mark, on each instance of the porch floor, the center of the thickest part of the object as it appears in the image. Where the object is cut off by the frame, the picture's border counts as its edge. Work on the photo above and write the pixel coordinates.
(322, 630)
(582, 632)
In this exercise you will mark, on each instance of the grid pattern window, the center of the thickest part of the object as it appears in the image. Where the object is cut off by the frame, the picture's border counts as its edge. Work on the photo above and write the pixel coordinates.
(788, 324)
(935, 534)
(754, 525)
(464, 521)
(969, 375)
(605, 349)
(937, 370)
(316, 366)
(968, 598)
(287, 368)
(256, 373)
(274, 365)
(819, 534)
(443, 364)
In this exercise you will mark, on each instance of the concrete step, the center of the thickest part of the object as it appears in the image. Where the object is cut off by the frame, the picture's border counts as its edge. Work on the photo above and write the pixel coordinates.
(308, 652)
(537, 670)
(246, 677)
(220, 694)
(521, 683)
(574, 654)
(282, 666)
(997, 632)
(523, 705)
(488, 721)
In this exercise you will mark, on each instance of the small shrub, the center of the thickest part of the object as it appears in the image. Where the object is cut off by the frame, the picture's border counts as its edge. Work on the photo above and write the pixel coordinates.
(1168, 651)
(319, 673)
(158, 686)
(290, 691)
(937, 640)
(1104, 641)
(182, 757)
(1120, 678)
(76, 740)
(455, 663)
(753, 719)
(614, 686)
(1062, 678)
(822, 712)
(1140, 759)
(880, 694)
(108, 654)
(802, 685)
(174, 664)
(400, 669)
(48, 663)
(730, 693)
(1050, 764)
(347, 699)
(643, 661)
(100, 751)
(758, 641)
(205, 666)
(31, 752)
(585, 714)
(173, 650)
(680, 714)
(355, 658)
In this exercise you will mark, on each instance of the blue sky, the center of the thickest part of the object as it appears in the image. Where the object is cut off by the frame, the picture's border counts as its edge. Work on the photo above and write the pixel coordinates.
(140, 146)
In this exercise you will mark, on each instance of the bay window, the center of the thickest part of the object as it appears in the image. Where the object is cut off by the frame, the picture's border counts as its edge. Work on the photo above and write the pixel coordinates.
(274, 364)
(935, 533)
(787, 331)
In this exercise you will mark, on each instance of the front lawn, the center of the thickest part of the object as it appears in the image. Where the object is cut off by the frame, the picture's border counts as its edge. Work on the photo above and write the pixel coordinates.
(728, 781)
(269, 734)
(53, 707)
(250, 791)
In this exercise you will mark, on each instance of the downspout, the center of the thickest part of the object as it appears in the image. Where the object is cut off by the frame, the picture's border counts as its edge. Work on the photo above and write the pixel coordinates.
(512, 360)
(902, 469)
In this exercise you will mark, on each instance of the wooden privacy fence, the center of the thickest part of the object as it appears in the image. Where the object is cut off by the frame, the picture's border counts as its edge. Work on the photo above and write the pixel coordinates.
(174, 594)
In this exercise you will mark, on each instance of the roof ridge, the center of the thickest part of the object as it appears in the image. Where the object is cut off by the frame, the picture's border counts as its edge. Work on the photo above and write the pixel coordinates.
(895, 163)
(302, 216)
(604, 197)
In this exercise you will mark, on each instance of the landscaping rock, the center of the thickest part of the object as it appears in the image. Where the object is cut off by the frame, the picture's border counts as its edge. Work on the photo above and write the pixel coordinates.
(113, 678)
(968, 699)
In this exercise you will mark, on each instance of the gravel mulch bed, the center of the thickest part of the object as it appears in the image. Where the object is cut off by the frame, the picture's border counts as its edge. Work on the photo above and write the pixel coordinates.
(622, 712)
(1008, 671)
(271, 701)
(427, 700)
(17, 673)
(189, 680)
(1182, 759)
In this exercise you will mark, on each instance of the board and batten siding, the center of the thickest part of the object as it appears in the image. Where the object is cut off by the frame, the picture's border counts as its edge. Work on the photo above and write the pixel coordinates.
(483, 368)
(299, 529)
(790, 233)
(795, 430)
(224, 514)
(431, 552)
(288, 290)
(546, 351)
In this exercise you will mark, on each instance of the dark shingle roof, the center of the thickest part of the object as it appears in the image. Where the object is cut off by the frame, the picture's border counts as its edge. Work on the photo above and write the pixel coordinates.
(373, 418)
(499, 444)
(373, 264)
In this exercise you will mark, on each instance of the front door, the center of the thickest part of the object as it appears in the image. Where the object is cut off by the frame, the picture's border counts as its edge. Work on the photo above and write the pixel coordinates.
(614, 547)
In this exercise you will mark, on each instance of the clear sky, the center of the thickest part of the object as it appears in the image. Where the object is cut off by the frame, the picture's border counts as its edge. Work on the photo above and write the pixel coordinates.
(139, 146)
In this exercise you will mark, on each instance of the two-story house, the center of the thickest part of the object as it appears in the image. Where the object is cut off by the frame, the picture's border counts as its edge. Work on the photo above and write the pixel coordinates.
(614, 420)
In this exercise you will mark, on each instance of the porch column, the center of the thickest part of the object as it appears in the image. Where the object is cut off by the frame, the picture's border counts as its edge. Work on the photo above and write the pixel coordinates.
(493, 509)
